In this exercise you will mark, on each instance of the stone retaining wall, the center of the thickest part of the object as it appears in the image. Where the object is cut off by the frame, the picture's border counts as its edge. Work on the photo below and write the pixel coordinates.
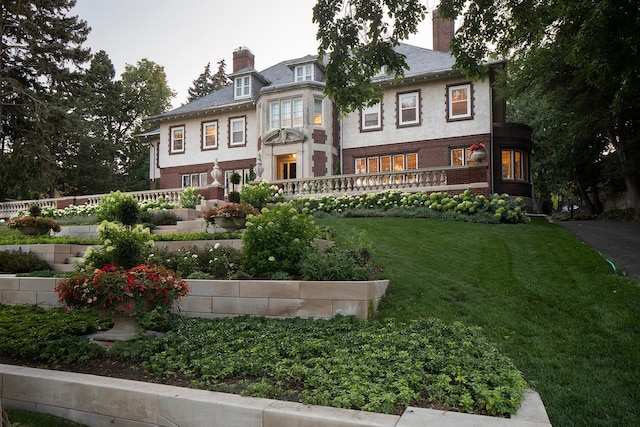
(104, 402)
(226, 298)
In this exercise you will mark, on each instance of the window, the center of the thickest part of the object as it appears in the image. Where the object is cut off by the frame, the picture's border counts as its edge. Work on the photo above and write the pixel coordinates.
(397, 162)
(244, 179)
(237, 131)
(194, 180)
(372, 164)
(513, 164)
(408, 109)
(281, 114)
(297, 112)
(370, 117)
(304, 72)
(209, 135)
(177, 139)
(242, 87)
(459, 102)
(317, 112)
(459, 157)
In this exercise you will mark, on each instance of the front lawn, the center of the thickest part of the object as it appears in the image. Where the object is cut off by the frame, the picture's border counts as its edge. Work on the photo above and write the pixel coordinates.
(547, 300)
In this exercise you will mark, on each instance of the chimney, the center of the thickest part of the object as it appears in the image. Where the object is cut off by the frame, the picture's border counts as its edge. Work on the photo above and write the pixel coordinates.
(242, 58)
(443, 30)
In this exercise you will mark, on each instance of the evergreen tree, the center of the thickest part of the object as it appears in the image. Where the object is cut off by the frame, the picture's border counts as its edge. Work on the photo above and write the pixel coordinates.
(207, 82)
(40, 47)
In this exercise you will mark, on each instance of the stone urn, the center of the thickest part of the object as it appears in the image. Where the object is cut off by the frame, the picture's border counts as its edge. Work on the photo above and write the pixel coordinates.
(235, 223)
(478, 155)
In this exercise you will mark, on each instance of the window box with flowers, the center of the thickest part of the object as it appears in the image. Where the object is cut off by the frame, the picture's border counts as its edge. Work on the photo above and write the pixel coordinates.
(478, 152)
(33, 225)
(230, 215)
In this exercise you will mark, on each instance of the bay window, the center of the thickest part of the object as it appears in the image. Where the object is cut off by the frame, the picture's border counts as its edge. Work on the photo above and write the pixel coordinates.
(514, 165)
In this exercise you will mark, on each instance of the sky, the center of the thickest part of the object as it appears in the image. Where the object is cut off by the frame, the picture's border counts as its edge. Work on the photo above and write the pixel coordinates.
(184, 35)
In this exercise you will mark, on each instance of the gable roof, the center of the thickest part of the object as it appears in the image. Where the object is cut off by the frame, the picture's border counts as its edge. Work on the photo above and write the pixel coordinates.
(421, 62)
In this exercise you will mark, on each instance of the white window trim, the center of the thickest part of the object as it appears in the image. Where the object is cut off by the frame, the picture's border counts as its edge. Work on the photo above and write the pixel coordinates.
(296, 121)
(417, 108)
(374, 109)
(244, 131)
(320, 113)
(172, 137)
(243, 83)
(469, 113)
(365, 162)
(305, 76)
(204, 135)
(465, 156)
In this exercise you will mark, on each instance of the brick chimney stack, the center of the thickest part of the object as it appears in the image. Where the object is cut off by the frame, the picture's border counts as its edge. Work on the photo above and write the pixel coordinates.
(443, 30)
(242, 58)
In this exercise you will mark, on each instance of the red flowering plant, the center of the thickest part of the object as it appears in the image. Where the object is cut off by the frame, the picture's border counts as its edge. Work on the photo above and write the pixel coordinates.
(41, 223)
(477, 146)
(113, 289)
(232, 211)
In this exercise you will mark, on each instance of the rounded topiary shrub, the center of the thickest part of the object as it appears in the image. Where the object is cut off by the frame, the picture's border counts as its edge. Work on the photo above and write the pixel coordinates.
(276, 241)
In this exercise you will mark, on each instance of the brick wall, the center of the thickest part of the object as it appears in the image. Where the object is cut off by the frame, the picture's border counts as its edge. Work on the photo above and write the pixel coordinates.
(431, 154)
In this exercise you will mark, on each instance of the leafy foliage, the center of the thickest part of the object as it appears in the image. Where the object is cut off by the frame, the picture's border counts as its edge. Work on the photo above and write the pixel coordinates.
(190, 198)
(21, 262)
(359, 42)
(121, 245)
(379, 366)
(52, 336)
(277, 240)
(260, 195)
(497, 208)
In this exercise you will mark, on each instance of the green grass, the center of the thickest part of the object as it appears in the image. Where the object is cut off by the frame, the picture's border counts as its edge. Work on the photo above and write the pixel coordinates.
(548, 301)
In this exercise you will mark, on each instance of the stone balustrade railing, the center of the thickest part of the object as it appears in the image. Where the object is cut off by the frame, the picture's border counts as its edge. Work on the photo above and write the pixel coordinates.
(412, 181)
(9, 209)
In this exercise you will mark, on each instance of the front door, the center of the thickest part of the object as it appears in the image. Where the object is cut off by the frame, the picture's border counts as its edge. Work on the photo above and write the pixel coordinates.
(286, 166)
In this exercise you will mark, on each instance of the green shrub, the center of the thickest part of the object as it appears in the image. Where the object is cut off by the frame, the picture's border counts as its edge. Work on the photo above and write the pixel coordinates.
(501, 207)
(121, 245)
(234, 197)
(208, 262)
(190, 198)
(260, 195)
(277, 240)
(158, 217)
(21, 262)
(336, 263)
(127, 211)
(35, 210)
(109, 207)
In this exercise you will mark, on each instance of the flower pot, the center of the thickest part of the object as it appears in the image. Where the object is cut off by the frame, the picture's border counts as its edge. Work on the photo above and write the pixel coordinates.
(478, 155)
(231, 223)
(33, 230)
(124, 324)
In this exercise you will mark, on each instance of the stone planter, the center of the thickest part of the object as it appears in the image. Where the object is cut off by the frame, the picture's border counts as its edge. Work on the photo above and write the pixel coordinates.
(231, 223)
(33, 231)
(478, 156)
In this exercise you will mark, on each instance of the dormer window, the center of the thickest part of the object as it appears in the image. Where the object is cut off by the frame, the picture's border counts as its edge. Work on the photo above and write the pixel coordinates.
(304, 73)
(242, 87)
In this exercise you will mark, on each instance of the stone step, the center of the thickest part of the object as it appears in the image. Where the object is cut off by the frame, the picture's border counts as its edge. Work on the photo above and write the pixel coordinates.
(165, 229)
(64, 268)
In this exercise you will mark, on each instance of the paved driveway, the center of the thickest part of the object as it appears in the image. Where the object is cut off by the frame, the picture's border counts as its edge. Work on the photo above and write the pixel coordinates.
(618, 240)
